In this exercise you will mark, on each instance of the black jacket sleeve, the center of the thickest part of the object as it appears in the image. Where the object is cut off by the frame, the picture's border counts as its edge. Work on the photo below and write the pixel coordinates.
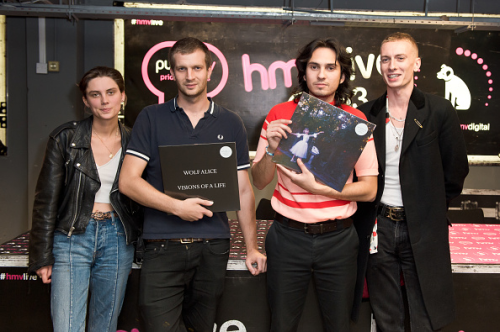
(47, 195)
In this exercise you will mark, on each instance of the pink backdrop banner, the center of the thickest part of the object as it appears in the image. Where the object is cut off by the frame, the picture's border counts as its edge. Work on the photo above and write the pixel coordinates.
(475, 244)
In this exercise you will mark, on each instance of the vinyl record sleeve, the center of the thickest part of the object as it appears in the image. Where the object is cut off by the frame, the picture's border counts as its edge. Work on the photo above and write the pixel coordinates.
(328, 139)
(208, 171)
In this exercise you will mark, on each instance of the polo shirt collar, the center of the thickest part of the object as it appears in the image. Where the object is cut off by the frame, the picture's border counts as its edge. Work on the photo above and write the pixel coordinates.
(212, 110)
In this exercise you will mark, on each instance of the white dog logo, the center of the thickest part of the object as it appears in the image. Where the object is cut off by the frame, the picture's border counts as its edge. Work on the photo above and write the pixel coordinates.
(456, 91)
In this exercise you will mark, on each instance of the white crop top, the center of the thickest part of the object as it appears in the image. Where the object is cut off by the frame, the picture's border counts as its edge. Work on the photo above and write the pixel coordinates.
(107, 175)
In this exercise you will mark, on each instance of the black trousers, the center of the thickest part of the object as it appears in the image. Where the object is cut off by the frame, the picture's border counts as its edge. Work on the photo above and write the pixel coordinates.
(383, 276)
(181, 284)
(295, 257)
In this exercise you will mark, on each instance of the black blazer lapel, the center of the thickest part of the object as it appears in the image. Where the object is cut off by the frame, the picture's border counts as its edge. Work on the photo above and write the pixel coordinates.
(415, 118)
(377, 115)
(379, 138)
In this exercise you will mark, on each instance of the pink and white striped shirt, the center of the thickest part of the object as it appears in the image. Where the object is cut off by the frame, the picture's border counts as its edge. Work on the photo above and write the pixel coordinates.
(294, 202)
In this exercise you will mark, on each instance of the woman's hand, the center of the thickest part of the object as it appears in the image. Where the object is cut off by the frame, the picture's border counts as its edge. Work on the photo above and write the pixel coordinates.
(45, 273)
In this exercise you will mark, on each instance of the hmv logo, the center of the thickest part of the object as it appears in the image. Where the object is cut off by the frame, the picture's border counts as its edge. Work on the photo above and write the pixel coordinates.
(268, 75)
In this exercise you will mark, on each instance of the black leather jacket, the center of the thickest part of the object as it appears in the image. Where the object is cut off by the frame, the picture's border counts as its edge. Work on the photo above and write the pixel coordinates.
(66, 189)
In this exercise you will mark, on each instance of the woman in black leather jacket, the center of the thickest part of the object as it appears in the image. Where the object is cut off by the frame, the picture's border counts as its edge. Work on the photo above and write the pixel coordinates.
(83, 228)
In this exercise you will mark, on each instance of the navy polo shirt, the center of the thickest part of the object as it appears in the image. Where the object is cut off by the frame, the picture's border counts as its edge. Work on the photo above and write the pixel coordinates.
(168, 124)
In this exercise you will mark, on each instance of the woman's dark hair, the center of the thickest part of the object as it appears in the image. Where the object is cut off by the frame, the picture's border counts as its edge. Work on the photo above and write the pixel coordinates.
(344, 91)
(101, 71)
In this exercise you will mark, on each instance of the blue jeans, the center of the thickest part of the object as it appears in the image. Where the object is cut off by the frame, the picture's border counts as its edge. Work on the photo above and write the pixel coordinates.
(181, 284)
(294, 258)
(98, 260)
(384, 280)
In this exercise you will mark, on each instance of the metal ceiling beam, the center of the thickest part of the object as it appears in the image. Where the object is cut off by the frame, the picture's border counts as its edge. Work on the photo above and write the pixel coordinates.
(211, 13)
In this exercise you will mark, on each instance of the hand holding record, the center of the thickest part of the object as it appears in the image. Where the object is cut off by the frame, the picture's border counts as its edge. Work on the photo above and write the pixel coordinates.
(193, 209)
(277, 130)
(306, 180)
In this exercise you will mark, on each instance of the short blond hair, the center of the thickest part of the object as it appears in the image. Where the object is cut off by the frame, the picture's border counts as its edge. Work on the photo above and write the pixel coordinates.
(396, 36)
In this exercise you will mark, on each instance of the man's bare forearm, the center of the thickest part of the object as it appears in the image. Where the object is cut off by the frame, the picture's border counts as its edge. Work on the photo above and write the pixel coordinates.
(263, 172)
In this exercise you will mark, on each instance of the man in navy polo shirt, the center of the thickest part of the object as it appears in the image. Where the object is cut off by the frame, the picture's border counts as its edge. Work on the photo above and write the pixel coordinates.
(182, 282)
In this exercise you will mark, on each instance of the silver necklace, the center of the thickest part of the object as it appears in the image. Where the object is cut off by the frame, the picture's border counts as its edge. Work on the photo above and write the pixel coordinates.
(399, 135)
(394, 118)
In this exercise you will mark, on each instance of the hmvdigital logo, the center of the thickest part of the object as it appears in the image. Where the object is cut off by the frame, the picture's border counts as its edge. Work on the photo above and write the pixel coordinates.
(476, 126)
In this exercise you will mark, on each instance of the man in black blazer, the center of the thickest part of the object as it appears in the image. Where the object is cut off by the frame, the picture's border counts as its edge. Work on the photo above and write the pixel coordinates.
(422, 166)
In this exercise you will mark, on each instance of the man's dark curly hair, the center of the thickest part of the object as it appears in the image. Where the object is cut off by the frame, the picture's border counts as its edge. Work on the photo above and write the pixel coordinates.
(344, 92)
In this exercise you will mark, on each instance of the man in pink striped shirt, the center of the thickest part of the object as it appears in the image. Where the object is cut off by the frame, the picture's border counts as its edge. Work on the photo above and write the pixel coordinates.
(313, 235)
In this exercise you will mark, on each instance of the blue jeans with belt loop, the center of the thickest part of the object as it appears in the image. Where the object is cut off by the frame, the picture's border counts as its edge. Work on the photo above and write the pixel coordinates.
(98, 261)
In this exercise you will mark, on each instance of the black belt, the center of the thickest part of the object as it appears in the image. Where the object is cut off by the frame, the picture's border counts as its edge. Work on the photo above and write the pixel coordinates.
(183, 240)
(395, 213)
(315, 228)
